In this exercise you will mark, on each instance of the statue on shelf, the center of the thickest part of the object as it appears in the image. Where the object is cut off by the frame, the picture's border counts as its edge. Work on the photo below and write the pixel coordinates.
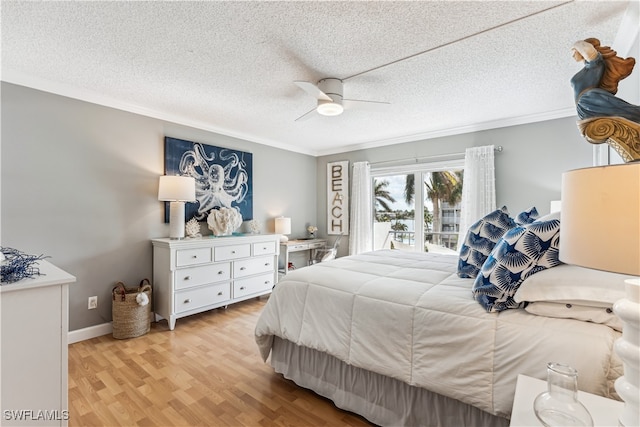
(605, 118)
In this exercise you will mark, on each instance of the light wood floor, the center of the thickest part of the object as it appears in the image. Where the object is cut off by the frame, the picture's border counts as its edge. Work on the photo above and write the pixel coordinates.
(206, 372)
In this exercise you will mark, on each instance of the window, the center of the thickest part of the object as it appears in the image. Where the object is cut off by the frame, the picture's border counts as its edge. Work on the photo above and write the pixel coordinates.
(406, 213)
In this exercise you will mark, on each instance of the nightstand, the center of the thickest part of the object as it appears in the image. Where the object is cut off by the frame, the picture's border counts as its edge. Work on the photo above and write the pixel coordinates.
(603, 411)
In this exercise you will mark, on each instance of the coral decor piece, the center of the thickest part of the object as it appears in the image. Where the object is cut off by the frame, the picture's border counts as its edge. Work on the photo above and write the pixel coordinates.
(193, 228)
(224, 221)
(254, 226)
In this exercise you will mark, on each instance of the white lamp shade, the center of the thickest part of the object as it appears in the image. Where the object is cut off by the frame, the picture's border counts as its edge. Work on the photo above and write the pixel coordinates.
(600, 215)
(283, 225)
(177, 188)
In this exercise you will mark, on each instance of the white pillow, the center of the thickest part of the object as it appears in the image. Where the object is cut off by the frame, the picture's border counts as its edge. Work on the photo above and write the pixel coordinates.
(573, 284)
(602, 315)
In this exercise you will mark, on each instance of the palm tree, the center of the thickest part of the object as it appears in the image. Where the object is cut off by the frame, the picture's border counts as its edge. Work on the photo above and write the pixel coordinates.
(443, 186)
(382, 196)
(409, 188)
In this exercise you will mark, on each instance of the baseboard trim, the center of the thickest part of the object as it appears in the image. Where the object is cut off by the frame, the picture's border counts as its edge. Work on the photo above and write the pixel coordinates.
(90, 332)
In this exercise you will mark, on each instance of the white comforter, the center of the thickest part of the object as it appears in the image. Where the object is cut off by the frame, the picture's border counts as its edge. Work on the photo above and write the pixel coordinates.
(408, 316)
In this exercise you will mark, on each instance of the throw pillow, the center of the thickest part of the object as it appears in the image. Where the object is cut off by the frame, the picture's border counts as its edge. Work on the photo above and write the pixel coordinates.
(520, 253)
(528, 216)
(481, 237)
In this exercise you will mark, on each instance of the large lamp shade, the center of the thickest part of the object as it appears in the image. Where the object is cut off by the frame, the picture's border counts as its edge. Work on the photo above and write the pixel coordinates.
(600, 229)
(177, 190)
(600, 217)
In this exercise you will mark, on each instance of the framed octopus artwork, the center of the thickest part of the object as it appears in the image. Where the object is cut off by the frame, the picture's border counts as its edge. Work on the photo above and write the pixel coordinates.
(223, 177)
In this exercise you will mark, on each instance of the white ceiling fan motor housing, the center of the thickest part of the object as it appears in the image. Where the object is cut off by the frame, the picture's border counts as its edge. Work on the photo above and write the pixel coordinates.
(333, 89)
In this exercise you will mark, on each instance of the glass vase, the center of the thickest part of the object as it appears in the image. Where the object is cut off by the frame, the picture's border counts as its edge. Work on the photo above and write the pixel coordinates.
(559, 405)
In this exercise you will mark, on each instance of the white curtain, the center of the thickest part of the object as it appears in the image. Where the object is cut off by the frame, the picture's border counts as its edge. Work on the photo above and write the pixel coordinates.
(360, 234)
(478, 188)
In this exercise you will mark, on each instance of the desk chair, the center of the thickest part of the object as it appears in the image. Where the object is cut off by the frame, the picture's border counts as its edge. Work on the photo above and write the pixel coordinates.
(327, 253)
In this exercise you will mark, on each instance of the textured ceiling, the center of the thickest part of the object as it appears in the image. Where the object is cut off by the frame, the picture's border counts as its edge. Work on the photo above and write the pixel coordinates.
(229, 67)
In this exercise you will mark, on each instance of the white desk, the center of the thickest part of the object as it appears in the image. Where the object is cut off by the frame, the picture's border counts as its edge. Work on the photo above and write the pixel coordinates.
(300, 245)
(603, 411)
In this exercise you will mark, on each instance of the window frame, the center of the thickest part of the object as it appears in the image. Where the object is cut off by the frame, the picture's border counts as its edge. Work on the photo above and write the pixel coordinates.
(418, 170)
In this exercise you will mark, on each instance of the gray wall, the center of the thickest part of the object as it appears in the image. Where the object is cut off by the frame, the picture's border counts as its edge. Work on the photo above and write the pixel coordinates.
(528, 170)
(80, 181)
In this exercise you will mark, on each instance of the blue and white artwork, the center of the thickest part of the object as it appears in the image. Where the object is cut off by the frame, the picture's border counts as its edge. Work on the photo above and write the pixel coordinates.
(223, 177)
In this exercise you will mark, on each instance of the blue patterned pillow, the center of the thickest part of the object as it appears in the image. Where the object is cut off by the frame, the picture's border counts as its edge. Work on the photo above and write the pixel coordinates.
(522, 251)
(480, 240)
(528, 216)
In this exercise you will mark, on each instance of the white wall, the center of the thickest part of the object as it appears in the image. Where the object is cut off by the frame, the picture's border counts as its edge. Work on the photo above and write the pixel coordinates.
(79, 183)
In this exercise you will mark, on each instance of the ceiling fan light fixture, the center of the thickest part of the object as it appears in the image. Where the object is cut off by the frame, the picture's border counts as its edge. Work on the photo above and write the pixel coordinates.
(329, 108)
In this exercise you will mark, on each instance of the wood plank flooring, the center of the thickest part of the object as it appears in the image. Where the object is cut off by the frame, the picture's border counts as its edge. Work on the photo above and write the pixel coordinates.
(206, 372)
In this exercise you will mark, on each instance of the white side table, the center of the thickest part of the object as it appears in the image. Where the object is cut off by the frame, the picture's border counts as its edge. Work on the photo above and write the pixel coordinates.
(603, 411)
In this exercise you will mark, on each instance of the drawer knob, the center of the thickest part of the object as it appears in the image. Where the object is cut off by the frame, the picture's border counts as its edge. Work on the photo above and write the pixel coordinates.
(266, 264)
(187, 277)
(187, 301)
(194, 256)
(220, 272)
(233, 252)
(220, 293)
(266, 282)
(242, 288)
(243, 268)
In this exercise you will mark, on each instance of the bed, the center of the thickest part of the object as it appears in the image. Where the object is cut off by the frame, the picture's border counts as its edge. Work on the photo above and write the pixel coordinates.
(398, 338)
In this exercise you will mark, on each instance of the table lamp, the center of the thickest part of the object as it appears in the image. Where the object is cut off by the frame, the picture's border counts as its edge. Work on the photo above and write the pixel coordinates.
(600, 229)
(177, 190)
(283, 227)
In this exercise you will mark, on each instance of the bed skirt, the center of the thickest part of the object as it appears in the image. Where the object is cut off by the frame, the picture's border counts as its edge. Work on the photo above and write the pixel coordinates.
(382, 400)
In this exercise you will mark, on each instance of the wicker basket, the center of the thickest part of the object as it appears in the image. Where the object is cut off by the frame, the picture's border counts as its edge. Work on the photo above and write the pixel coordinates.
(130, 319)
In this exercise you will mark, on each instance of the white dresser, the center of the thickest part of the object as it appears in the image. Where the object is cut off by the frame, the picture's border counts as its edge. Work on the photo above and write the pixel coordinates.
(194, 275)
(35, 326)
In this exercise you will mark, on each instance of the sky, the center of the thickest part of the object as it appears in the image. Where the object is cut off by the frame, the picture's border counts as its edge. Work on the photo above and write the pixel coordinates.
(396, 188)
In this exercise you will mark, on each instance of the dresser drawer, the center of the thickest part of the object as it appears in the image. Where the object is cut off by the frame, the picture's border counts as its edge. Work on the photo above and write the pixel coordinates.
(316, 245)
(264, 248)
(299, 247)
(248, 267)
(252, 285)
(200, 297)
(226, 253)
(195, 276)
(193, 256)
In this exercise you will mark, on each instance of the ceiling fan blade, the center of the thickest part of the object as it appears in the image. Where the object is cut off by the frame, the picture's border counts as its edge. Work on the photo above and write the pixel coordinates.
(312, 90)
(305, 116)
(365, 105)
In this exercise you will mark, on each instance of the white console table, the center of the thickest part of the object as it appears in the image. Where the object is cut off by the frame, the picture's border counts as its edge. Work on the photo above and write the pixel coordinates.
(603, 411)
(299, 245)
(194, 275)
(34, 322)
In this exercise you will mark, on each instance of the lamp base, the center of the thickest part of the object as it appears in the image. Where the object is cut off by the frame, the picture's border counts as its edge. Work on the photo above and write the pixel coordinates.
(176, 220)
(283, 238)
(628, 349)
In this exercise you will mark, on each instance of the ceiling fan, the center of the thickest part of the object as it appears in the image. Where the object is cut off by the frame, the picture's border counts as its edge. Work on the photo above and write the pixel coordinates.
(328, 93)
